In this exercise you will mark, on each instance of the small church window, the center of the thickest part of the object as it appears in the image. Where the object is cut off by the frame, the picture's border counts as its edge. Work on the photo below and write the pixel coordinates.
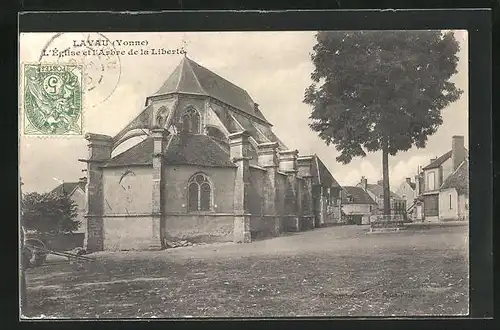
(199, 193)
(191, 121)
(450, 203)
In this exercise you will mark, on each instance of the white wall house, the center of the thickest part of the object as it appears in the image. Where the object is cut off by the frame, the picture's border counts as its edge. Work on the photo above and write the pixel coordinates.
(435, 199)
(454, 195)
(357, 205)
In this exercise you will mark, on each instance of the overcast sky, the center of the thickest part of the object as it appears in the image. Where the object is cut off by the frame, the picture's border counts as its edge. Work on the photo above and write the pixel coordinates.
(274, 67)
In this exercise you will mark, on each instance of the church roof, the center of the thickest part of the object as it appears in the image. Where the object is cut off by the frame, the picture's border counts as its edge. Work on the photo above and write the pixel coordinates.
(458, 179)
(321, 174)
(68, 188)
(184, 149)
(191, 78)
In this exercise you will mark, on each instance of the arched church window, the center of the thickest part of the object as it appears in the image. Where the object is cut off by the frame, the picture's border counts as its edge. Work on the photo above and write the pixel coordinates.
(199, 193)
(191, 121)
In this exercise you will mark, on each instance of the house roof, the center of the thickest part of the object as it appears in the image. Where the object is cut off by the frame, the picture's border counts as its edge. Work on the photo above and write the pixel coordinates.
(321, 174)
(191, 78)
(68, 188)
(440, 160)
(413, 185)
(459, 179)
(378, 190)
(359, 196)
(183, 149)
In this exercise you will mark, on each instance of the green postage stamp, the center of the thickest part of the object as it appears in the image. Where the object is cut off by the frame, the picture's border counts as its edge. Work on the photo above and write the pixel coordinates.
(52, 99)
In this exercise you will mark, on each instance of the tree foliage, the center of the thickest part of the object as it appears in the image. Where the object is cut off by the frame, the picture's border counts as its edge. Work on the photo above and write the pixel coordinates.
(376, 87)
(49, 213)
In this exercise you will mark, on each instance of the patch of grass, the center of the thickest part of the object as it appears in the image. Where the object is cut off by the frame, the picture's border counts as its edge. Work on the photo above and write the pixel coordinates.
(336, 271)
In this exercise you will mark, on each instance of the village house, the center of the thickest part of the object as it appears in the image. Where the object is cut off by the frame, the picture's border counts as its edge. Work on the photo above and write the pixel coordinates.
(208, 168)
(454, 194)
(376, 192)
(357, 205)
(435, 174)
(407, 190)
(76, 192)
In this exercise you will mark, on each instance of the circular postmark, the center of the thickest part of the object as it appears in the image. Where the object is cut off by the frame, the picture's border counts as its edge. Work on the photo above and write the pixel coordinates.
(101, 62)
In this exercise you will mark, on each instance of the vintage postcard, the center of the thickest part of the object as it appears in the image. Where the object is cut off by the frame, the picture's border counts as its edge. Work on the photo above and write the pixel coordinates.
(244, 174)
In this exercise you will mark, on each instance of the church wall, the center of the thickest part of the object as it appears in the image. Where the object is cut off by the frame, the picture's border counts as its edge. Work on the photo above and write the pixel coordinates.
(214, 225)
(307, 218)
(261, 224)
(281, 183)
(128, 232)
(127, 190)
(127, 222)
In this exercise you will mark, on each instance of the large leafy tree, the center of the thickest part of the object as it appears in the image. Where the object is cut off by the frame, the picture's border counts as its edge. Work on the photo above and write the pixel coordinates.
(380, 91)
(49, 213)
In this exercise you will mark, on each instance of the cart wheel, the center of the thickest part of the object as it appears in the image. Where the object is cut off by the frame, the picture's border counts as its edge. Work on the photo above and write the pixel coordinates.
(37, 257)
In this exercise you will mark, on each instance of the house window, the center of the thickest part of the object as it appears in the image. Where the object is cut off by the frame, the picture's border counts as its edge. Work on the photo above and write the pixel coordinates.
(191, 121)
(199, 193)
(431, 179)
(450, 202)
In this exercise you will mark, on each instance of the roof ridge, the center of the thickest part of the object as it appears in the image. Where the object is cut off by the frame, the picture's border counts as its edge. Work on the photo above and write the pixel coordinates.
(214, 73)
(194, 74)
(179, 78)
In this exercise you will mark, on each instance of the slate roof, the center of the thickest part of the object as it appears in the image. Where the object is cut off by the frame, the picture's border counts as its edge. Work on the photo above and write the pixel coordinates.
(321, 174)
(184, 149)
(458, 179)
(359, 196)
(413, 185)
(378, 190)
(191, 78)
(67, 188)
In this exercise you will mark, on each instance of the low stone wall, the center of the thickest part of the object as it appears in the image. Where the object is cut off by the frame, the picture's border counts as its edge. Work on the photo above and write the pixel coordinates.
(393, 221)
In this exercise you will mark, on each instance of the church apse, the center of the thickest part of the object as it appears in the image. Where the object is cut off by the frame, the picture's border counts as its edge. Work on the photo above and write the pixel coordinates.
(208, 168)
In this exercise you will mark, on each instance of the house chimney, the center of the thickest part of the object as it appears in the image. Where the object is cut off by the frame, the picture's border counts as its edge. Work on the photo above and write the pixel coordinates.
(408, 180)
(433, 159)
(364, 182)
(457, 151)
(380, 182)
(83, 180)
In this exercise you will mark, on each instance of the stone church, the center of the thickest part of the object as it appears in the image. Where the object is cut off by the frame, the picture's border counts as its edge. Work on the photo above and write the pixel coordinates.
(208, 169)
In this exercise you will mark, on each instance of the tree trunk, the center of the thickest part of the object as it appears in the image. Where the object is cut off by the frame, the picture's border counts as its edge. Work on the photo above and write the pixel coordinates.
(385, 179)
